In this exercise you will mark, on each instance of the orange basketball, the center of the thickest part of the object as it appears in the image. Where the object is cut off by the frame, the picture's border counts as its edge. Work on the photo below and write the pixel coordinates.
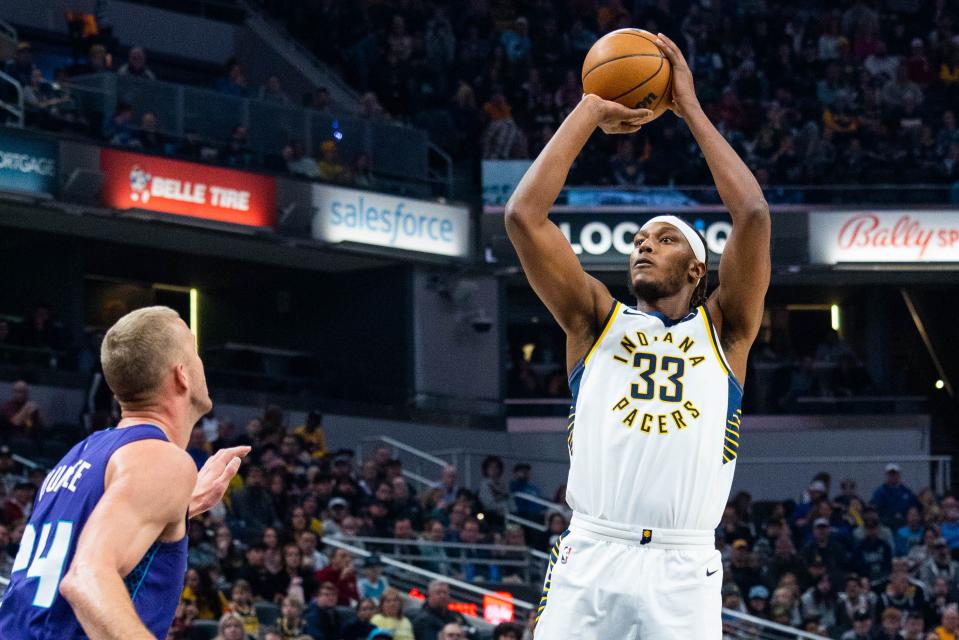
(627, 67)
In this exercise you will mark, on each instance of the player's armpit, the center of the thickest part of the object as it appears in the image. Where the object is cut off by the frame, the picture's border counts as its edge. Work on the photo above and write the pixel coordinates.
(148, 488)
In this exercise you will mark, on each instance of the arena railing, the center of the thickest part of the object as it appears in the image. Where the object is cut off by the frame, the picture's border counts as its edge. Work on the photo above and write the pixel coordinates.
(15, 108)
(500, 555)
(396, 152)
(461, 589)
(418, 458)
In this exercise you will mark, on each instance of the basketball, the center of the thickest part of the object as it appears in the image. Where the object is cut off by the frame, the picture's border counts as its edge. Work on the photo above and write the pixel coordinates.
(627, 67)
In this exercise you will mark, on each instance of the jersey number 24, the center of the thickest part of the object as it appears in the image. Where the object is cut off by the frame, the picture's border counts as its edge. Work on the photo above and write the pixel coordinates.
(48, 568)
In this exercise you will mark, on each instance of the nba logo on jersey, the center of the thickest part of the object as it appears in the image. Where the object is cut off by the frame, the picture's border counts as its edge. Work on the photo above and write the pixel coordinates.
(567, 554)
(647, 536)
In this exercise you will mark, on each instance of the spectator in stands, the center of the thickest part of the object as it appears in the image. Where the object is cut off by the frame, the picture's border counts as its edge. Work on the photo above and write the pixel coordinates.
(20, 414)
(323, 621)
(449, 486)
(199, 587)
(870, 515)
(890, 625)
(824, 548)
(298, 163)
(451, 631)
(473, 571)
(391, 618)
(342, 575)
(521, 484)
(507, 631)
(312, 435)
(136, 65)
(197, 447)
(940, 565)
(21, 66)
(252, 507)
(238, 152)
(435, 614)
(949, 627)
(319, 99)
(234, 82)
(291, 623)
(758, 602)
(901, 595)
(294, 579)
(852, 602)
(872, 555)
(893, 499)
(494, 493)
(118, 129)
(819, 602)
(273, 91)
(361, 628)
(202, 554)
(241, 604)
(330, 167)
(373, 583)
(911, 533)
(263, 583)
(360, 172)
(915, 626)
(231, 627)
(861, 626)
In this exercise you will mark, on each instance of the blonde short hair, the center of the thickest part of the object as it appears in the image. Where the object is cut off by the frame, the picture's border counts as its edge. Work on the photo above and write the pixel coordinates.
(137, 351)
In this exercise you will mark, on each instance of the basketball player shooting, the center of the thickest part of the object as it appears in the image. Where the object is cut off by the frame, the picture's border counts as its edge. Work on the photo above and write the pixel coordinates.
(654, 425)
(105, 551)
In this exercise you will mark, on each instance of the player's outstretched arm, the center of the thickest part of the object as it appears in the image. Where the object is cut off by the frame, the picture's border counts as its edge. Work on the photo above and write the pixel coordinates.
(148, 489)
(577, 301)
(744, 269)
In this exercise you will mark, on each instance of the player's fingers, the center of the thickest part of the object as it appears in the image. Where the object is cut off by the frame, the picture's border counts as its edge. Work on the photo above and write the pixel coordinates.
(231, 452)
(230, 470)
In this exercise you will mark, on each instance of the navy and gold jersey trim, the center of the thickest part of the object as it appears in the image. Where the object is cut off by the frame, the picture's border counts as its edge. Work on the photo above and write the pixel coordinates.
(734, 420)
(613, 311)
(553, 557)
(714, 342)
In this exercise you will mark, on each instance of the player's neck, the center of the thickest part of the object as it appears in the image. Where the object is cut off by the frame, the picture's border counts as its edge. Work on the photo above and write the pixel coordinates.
(673, 307)
(165, 423)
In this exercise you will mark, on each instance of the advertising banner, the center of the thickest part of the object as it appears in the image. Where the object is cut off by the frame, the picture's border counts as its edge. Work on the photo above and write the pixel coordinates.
(383, 220)
(884, 236)
(27, 163)
(136, 181)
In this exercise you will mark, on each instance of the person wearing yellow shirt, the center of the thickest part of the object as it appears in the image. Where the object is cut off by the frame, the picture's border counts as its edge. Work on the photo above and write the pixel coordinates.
(949, 629)
(390, 616)
(312, 434)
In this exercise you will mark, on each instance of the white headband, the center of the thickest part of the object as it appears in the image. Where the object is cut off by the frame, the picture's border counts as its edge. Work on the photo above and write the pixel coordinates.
(693, 238)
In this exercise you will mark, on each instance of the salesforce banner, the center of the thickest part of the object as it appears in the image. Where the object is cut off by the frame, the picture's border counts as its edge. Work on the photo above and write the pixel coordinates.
(382, 220)
(27, 163)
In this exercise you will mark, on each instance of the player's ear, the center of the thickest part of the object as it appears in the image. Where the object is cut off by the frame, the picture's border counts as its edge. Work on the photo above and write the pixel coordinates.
(181, 377)
(697, 269)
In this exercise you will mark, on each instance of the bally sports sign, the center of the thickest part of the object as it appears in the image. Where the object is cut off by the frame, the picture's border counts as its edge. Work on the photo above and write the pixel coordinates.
(135, 181)
(884, 236)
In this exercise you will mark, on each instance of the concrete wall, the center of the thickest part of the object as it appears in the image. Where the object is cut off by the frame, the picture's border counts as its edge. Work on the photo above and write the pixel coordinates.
(452, 359)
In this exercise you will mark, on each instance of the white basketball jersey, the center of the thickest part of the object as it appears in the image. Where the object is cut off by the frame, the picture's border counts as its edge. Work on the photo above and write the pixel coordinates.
(654, 426)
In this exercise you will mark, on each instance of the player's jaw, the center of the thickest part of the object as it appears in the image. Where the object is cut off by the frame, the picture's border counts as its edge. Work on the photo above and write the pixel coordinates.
(653, 276)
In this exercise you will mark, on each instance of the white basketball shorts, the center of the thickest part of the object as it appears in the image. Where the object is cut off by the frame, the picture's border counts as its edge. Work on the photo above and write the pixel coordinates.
(614, 582)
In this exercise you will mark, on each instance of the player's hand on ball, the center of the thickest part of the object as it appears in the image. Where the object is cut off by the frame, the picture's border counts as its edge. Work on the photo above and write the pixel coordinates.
(613, 117)
(214, 478)
(684, 92)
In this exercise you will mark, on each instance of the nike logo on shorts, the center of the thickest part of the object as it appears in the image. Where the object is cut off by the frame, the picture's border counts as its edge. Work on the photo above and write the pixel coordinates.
(709, 573)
